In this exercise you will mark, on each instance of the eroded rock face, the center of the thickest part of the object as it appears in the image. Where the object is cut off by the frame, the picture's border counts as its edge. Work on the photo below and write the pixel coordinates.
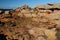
(25, 23)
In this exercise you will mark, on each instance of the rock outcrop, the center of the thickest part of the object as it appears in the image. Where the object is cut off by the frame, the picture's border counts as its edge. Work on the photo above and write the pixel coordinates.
(25, 23)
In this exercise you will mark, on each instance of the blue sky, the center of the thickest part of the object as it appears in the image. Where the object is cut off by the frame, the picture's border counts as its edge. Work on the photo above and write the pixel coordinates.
(17, 3)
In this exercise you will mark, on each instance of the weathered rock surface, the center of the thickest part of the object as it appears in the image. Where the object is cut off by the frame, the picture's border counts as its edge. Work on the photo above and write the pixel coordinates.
(25, 23)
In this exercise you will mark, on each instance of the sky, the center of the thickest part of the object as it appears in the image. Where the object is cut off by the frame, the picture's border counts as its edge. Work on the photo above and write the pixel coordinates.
(16, 3)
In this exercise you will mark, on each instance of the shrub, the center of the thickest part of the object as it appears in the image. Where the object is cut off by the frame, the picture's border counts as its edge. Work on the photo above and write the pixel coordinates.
(11, 23)
(58, 35)
(2, 23)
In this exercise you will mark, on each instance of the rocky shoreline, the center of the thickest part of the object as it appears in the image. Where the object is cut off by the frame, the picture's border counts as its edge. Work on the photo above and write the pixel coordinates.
(25, 23)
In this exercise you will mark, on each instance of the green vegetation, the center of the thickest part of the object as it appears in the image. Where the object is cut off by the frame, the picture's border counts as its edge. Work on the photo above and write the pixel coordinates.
(23, 20)
(58, 34)
(10, 23)
(2, 24)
